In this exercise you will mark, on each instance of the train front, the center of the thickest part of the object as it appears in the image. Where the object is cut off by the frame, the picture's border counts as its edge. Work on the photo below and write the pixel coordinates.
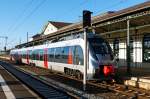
(100, 59)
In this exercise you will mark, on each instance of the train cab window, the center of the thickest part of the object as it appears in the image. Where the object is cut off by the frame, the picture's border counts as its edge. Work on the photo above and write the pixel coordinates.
(99, 45)
(78, 56)
(146, 48)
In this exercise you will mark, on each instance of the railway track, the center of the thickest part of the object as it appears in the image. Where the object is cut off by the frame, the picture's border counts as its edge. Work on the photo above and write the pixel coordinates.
(125, 91)
(118, 90)
(114, 90)
(43, 90)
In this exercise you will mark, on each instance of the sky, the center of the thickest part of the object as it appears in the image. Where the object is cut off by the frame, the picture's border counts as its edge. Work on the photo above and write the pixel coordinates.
(17, 17)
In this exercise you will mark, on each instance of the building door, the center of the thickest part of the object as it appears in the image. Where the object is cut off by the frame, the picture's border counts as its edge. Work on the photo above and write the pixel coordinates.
(116, 48)
(146, 48)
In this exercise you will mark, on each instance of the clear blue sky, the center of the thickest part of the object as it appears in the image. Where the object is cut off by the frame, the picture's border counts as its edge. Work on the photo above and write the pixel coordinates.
(21, 16)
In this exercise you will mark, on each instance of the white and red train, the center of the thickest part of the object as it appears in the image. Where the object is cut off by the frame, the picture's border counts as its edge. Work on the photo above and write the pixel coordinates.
(68, 57)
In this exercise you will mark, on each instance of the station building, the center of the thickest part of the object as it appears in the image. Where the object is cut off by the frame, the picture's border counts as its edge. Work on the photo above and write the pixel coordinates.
(127, 28)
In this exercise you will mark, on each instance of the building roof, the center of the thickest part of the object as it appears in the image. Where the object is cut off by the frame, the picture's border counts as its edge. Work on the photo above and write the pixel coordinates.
(59, 24)
(36, 35)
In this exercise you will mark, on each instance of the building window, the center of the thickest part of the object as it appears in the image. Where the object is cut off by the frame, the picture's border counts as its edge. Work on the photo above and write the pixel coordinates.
(146, 48)
(131, 49)
(116, 48)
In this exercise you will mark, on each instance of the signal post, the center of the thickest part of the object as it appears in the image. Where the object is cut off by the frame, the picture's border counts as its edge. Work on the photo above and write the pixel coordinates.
(86, 25)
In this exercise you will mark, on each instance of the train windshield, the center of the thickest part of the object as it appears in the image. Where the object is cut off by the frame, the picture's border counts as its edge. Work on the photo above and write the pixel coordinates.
(99, 46)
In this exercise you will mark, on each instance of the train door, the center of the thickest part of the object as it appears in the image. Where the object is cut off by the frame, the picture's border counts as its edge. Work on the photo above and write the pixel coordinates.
(45, 58)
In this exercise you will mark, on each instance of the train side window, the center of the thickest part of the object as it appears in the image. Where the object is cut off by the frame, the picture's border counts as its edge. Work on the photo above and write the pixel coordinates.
(65, 52)
(51, 54)
(30, 54)
(41, 54)
(58, 54)
(35, 55)
(22, 54)
(78, 56)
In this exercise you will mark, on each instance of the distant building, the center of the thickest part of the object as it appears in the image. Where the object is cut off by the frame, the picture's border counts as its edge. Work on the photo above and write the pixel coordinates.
(34, 37)
(50, 27)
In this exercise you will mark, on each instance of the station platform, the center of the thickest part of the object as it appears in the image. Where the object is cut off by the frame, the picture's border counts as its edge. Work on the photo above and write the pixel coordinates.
(11, 88)
(140, 82)
(139, 77)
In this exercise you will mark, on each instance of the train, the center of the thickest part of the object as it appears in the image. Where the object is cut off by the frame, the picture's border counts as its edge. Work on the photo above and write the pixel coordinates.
(68, 57)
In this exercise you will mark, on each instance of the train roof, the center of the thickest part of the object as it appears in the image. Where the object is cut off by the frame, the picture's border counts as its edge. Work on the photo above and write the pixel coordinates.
(77, 41)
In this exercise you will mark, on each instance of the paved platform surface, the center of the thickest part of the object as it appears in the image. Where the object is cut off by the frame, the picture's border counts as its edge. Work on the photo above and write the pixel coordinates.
(11, 88)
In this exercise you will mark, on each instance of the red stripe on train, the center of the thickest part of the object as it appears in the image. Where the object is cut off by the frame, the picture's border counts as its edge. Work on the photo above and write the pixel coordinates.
(70, 60)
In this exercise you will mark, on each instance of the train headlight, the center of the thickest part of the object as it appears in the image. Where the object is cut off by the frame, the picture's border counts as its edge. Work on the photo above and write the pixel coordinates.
(108, 69)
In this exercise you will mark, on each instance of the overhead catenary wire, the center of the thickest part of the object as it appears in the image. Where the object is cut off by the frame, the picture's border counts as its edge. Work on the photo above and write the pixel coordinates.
(20, 16)
(67, 12)
(113, 5)
(27, 17)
